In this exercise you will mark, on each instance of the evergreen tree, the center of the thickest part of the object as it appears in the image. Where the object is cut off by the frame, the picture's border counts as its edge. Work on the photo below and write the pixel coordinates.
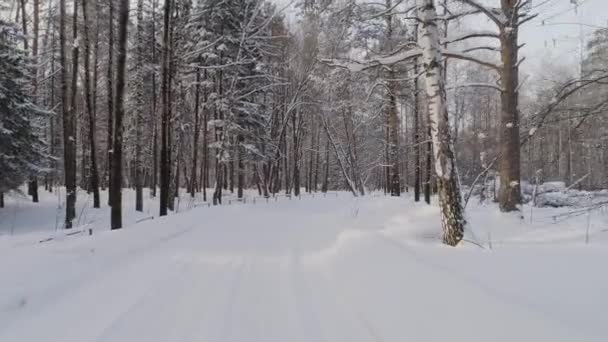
(21, 150)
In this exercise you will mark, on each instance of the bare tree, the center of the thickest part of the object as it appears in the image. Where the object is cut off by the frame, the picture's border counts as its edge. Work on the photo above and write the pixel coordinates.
(452, 216)
(166, 111)
(69, 125)
(94, 181)
(110, 97)
(121, 65)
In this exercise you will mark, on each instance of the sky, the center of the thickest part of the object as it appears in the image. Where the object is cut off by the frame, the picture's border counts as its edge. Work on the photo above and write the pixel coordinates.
(554, 37)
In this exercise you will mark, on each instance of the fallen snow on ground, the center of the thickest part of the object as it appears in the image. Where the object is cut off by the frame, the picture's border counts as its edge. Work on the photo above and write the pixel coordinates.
(332, 268)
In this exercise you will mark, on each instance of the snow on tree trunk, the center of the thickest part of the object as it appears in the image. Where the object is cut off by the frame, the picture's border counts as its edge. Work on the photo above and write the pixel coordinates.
(452, 213)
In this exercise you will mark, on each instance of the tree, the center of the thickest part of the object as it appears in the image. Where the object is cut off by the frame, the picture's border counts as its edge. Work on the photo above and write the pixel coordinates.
(21, 149)
(139, 106)
(69, 124)
(121, 65)
(452, 213)
(165, 111)
(508, 19)
(94, 180)
(110, 98)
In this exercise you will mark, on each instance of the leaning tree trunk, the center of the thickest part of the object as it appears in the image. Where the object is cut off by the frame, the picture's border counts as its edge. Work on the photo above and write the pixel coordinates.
(452, 212)
(509, 193)
(121, 65)
(94, 181)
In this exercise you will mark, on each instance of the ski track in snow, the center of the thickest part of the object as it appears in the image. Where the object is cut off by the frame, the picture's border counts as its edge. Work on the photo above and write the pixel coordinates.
(321, 270)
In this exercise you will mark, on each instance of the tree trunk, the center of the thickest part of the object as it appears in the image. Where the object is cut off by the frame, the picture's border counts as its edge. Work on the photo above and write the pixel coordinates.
(164, 147)
(69, 126)
(428, 166)
(121, 65)
(51, 174)
(393, 132)
(100, 183)
(197, 130)
(393, 181)
(94, 181)
(325, 185)
(231, 166)
(296, 157)
(509, 194)
(110, 94)
(139, 176)
(416, 129)
(452, 213)
(317, 157)
(240, 167)
(205, 173)
(36, 23)
(153, 107)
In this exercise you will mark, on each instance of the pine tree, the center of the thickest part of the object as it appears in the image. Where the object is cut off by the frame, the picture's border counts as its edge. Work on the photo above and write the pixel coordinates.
(21, 149)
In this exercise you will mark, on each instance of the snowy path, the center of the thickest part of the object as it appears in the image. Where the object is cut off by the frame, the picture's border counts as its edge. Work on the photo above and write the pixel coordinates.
(322, 269)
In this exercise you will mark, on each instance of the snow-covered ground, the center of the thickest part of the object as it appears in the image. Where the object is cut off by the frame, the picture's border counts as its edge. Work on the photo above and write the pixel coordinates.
(329, 268)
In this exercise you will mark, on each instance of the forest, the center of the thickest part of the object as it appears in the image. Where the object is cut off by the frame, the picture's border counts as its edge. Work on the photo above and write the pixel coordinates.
(211, 97)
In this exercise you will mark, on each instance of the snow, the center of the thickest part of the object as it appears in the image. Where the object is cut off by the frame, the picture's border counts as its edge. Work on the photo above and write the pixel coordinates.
(532, 131)
(552, 187)
(334, 268)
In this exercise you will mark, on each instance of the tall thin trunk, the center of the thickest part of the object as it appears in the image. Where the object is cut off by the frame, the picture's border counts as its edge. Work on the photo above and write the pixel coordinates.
(231, 166)
(325, 185)
(240, 167)
(95, 80)
(428, 169)
(394, 183)
(452, 212)
(69, 122)
(52, 141)
(24, 25)
(153, 105)
(36, 23)
(94, 181)
(139, 176)
(205, 173)
(110, 94)
(164, 149)
(416, 129)
(121, 65)
(296, 155)
(197, 131)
